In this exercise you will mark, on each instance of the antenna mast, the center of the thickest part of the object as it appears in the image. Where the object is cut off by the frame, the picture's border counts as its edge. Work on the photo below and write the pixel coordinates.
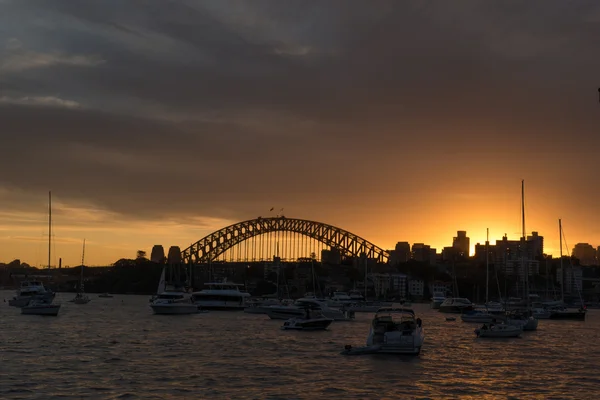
(49, 226)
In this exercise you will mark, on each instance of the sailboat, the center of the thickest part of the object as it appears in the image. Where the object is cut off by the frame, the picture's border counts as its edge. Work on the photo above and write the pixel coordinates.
(480, 315)
(172, 300)
(563, 312)
(525, 320)
(41, 303)
(81, 297)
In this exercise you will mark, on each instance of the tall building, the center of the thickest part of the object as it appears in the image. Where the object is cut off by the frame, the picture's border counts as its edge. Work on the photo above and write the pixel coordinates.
(585, 253)
(508, 256)
(461, 243)
(535, 243)
(158, 254)
(400, 254)
(174, 256)
(423, 253)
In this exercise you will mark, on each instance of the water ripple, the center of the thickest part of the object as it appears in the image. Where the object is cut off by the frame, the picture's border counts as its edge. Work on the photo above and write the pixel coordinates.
(116, 349)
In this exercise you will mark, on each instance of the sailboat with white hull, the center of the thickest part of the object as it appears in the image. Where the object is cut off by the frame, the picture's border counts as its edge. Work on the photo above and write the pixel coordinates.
(525, 320)
(172, 300)
(42, 304)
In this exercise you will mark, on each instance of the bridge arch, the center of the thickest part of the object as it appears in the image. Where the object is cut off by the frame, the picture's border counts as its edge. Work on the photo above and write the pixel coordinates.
(211, 246)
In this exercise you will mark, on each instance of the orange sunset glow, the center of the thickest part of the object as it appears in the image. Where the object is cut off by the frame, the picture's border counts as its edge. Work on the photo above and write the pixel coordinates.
(405, 123)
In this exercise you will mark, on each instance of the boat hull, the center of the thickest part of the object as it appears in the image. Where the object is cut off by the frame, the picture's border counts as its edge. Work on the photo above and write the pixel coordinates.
(23, 301)
(174, 309)
(44, 309)
(307, 325)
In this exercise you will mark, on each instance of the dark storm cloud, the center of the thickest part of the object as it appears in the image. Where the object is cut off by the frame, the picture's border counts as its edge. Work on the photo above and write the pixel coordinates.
(148, 107)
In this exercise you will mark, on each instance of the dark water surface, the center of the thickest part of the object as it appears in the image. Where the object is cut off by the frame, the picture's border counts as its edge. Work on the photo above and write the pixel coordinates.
(117, 349)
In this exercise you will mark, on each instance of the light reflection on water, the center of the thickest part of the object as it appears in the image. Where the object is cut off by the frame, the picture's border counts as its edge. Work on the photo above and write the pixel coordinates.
(115, 348)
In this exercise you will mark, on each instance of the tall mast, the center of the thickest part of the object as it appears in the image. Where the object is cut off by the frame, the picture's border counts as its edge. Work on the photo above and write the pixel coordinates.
(487, 266)
(562, 273)
(49, 226)
(523, 243)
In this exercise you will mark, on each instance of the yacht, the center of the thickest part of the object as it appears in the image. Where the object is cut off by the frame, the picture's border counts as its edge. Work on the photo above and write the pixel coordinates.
(456, 305)
(221, 296)
(437, 299)
(393, 331)
(298, 310)
(173, 302)
(29, 290)
(40, 307)
(339, 299)
(309, 322)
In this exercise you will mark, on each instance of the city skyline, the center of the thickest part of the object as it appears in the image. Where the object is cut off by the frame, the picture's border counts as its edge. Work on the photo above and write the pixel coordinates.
(69, 248)
(400, 121)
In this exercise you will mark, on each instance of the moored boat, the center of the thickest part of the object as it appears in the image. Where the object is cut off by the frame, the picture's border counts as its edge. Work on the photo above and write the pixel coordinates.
(311, 321)
(393, 331)
(40, 308)
(456, 305)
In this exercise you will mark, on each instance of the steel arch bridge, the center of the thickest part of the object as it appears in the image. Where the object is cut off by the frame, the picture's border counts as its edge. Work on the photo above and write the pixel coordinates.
(217, 243)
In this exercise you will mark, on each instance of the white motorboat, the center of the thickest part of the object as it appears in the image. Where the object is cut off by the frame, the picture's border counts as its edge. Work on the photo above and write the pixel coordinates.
(311, 321)
(498, 331)
(36, 307)
(456, 305)
(297, 310)
(436, 300)
(477, 316)
(31, 290)
(221, 296)
(393, 331)
(173, 302)
(106, 296)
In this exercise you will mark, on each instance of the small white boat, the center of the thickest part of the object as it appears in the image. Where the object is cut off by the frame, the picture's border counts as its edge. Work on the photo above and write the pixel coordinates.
(106, 295)
(309, 322)
(456, 305)
(498, 331)
(174, 303)
(40, 308)
(393, 331)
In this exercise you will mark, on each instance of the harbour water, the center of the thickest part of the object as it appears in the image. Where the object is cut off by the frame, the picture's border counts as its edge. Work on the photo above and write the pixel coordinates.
(115, 348)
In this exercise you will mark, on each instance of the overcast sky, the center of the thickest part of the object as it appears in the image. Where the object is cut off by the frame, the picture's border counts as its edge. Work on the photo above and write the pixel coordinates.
(157, 121)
